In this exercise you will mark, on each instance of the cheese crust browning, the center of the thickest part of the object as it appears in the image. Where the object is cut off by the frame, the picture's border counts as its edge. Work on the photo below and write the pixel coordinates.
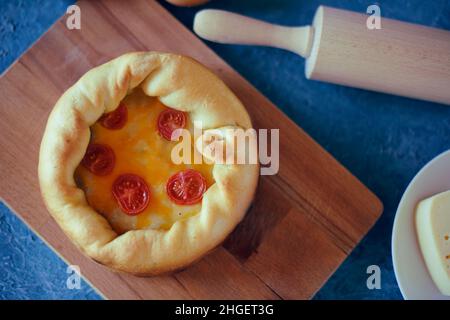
(180, 83)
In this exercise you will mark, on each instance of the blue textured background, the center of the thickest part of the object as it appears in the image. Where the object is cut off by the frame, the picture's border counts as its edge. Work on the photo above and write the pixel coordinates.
(382, 139)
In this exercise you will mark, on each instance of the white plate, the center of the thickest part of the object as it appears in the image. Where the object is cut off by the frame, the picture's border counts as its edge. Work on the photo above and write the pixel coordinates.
(411, 272)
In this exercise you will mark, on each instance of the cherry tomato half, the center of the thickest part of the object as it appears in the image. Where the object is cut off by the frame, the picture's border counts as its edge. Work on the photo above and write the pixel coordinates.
(116, 119)
(131, 193)
(169, 120)
(99, 159)
(186, 187)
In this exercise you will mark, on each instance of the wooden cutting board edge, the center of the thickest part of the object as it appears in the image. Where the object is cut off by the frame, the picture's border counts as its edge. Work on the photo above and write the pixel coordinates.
(10, 208)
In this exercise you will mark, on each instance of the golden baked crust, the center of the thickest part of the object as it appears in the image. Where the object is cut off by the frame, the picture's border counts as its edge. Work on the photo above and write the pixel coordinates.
(180, 83)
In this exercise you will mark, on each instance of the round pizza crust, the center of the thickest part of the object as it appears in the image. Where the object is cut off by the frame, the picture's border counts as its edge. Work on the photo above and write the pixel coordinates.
(180, 83)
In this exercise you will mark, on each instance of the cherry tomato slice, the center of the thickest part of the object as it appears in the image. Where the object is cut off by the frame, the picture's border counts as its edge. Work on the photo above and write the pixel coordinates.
(99, 159)
(169, 120)
(116, 119)
(131, 193)
(186, 187)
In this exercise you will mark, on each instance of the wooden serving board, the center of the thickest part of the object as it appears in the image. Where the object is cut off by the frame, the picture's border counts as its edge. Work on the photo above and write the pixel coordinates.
(303, 224)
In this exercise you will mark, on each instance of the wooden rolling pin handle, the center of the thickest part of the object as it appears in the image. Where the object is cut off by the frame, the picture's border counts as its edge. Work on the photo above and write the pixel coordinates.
(226, 27)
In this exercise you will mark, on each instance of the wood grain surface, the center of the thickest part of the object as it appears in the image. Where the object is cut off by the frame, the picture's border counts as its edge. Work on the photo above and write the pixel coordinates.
(304, 222)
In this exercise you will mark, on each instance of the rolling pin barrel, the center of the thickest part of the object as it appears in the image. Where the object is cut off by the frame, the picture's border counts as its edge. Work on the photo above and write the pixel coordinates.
(400, 58)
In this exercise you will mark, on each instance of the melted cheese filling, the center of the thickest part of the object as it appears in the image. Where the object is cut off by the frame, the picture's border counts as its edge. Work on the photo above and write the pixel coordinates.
(139, 149)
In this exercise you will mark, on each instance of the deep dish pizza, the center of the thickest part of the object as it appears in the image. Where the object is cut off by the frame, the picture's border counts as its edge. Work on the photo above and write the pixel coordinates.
(106, 165)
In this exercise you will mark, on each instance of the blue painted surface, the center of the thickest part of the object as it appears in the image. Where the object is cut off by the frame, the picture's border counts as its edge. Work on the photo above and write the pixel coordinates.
(382, 139)
(29, 269)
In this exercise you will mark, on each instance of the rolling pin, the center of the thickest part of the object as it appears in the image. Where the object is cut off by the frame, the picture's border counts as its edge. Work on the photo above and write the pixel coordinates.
(400, 58)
